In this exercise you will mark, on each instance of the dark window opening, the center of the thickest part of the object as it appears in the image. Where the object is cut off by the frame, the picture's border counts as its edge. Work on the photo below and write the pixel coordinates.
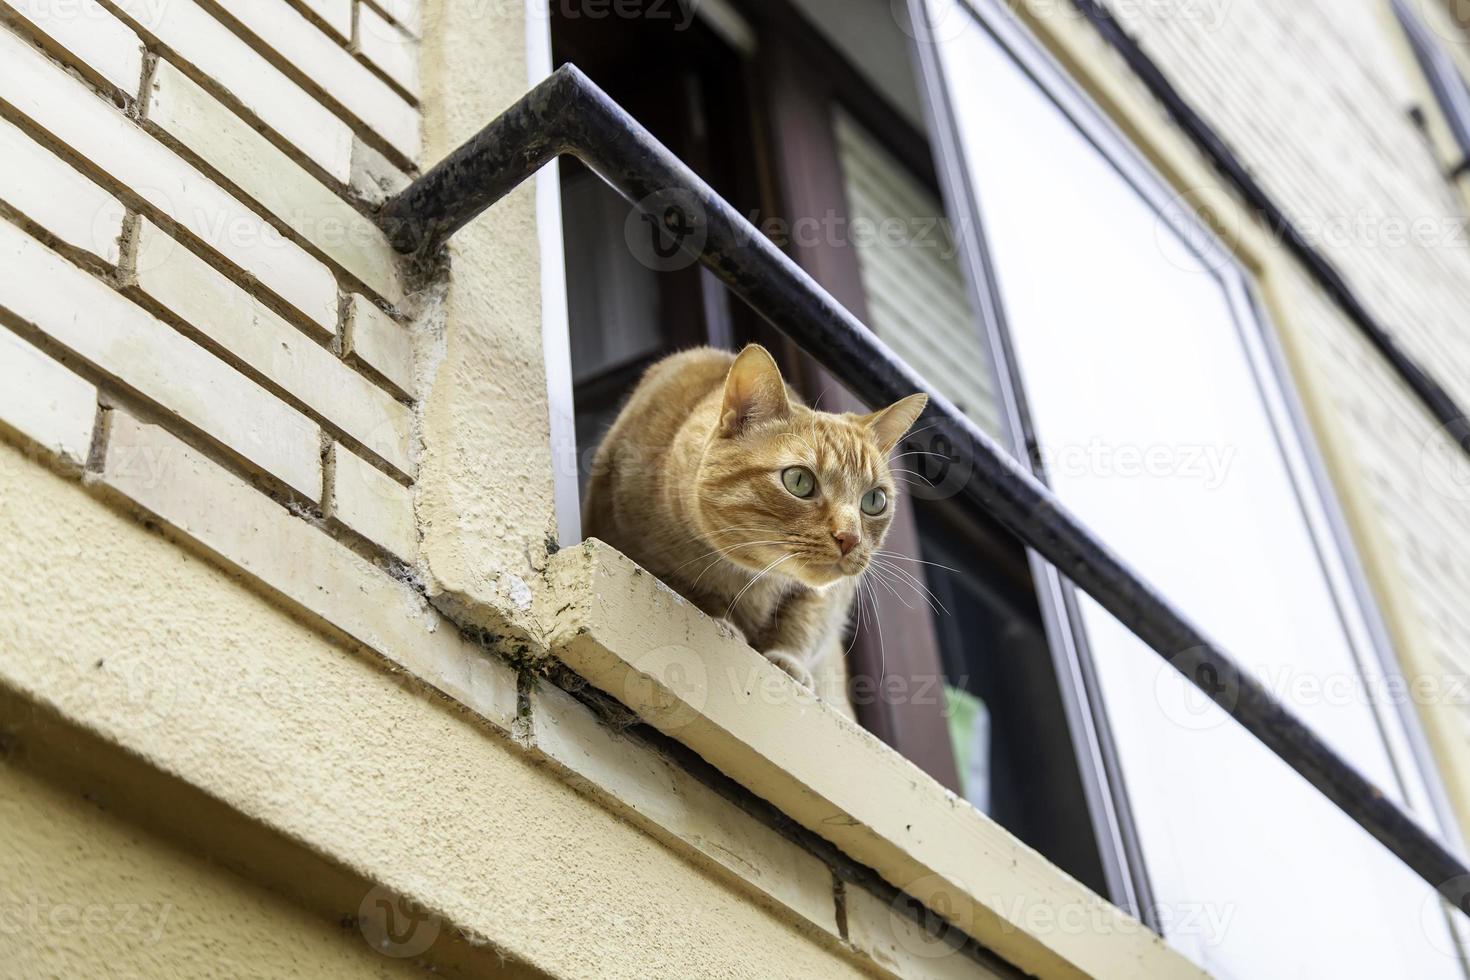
(970, 694)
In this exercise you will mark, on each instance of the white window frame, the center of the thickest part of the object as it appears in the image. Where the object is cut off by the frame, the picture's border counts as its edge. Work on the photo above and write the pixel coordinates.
(1449, 86)
(1406, 743)
(556, 331)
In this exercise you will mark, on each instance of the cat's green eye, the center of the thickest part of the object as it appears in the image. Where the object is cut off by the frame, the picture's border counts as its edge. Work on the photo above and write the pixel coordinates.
(799, 481)
(875, 502)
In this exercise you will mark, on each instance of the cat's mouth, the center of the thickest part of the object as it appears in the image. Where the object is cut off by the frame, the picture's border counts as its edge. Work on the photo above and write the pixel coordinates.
(826, 570)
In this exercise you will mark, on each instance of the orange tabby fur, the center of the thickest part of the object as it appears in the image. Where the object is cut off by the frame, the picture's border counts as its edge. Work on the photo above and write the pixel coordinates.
(688, 483)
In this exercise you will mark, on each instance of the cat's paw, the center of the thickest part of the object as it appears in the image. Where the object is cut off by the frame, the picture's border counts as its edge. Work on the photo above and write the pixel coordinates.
(792, 664)
(731, 629)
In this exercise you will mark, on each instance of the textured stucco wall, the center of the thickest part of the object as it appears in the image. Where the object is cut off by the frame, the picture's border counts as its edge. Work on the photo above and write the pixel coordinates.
(485, 501)
(84, 894)
(148, 646)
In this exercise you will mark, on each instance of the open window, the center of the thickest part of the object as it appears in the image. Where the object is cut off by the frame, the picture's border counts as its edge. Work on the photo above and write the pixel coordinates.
(807, 117)
(1146, 378)
(1074, 307)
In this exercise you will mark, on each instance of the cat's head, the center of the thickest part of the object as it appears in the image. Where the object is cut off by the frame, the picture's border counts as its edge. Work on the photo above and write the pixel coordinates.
(801, 493)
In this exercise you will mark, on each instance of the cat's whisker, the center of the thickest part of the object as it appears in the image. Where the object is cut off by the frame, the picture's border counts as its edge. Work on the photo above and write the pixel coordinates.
(763, 572)
(728, 530)
(858, 625)
(882, 650)
(722, 551)
(862, 613)
(751, 529)
(918, 452)
(906, 576)
(913, 473)
(905, 481)
(717, 560)
(925, 601)
(890, 581)
(917, 561)
(865, 598)
(878, 561)
(909, 436)
(818, 404)
(889, 586)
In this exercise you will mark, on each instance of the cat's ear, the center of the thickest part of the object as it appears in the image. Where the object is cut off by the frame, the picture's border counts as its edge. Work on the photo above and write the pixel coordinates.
(754, 391)
(889, 425)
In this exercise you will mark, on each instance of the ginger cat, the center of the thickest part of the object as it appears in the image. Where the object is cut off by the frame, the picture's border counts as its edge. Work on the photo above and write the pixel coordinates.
(759, 510)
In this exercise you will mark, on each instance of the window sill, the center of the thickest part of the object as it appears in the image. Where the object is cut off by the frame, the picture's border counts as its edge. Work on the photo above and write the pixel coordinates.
(634, 638)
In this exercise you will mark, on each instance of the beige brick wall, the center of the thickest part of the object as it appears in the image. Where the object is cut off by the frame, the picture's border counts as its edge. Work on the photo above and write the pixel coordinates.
(183, 235)
(1314, 96)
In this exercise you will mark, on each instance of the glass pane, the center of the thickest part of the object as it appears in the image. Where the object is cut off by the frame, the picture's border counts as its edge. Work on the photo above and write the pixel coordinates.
(1155, 428)
(614, 308)
(1016, 762)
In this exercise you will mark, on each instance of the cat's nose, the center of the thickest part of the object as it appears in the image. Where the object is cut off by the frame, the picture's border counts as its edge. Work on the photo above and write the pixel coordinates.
(846, 540)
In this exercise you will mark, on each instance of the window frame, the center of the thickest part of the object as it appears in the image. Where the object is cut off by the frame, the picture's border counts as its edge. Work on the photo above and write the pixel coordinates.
(1447, 83)
(1236, 274)
(799, 80)
(806, 81)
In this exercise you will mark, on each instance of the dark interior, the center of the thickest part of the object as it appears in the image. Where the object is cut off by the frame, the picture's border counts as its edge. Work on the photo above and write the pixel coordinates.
(751, 127)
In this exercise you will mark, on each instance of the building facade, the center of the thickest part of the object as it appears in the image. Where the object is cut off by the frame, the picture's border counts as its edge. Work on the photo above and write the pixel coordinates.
(306, 668)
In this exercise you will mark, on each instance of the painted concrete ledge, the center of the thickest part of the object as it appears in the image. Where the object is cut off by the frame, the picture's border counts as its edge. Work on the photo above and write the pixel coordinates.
(634, 638)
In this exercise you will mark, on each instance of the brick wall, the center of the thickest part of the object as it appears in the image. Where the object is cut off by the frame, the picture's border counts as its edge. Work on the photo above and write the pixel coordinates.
(1314, 96)
(195, 310)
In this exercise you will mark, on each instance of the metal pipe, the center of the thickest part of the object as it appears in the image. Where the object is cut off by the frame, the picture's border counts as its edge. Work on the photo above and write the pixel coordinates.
(567, 113)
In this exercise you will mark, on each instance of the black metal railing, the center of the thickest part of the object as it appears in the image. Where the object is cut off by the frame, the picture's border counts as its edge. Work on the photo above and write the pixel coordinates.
(568, 114)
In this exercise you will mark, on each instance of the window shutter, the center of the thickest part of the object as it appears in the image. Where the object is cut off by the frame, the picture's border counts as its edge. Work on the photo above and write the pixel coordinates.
(917, 299)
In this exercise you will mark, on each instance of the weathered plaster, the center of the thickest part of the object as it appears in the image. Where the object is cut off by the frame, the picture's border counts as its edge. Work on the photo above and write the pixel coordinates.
(83, 893)
(484, 495)
(148, 647)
